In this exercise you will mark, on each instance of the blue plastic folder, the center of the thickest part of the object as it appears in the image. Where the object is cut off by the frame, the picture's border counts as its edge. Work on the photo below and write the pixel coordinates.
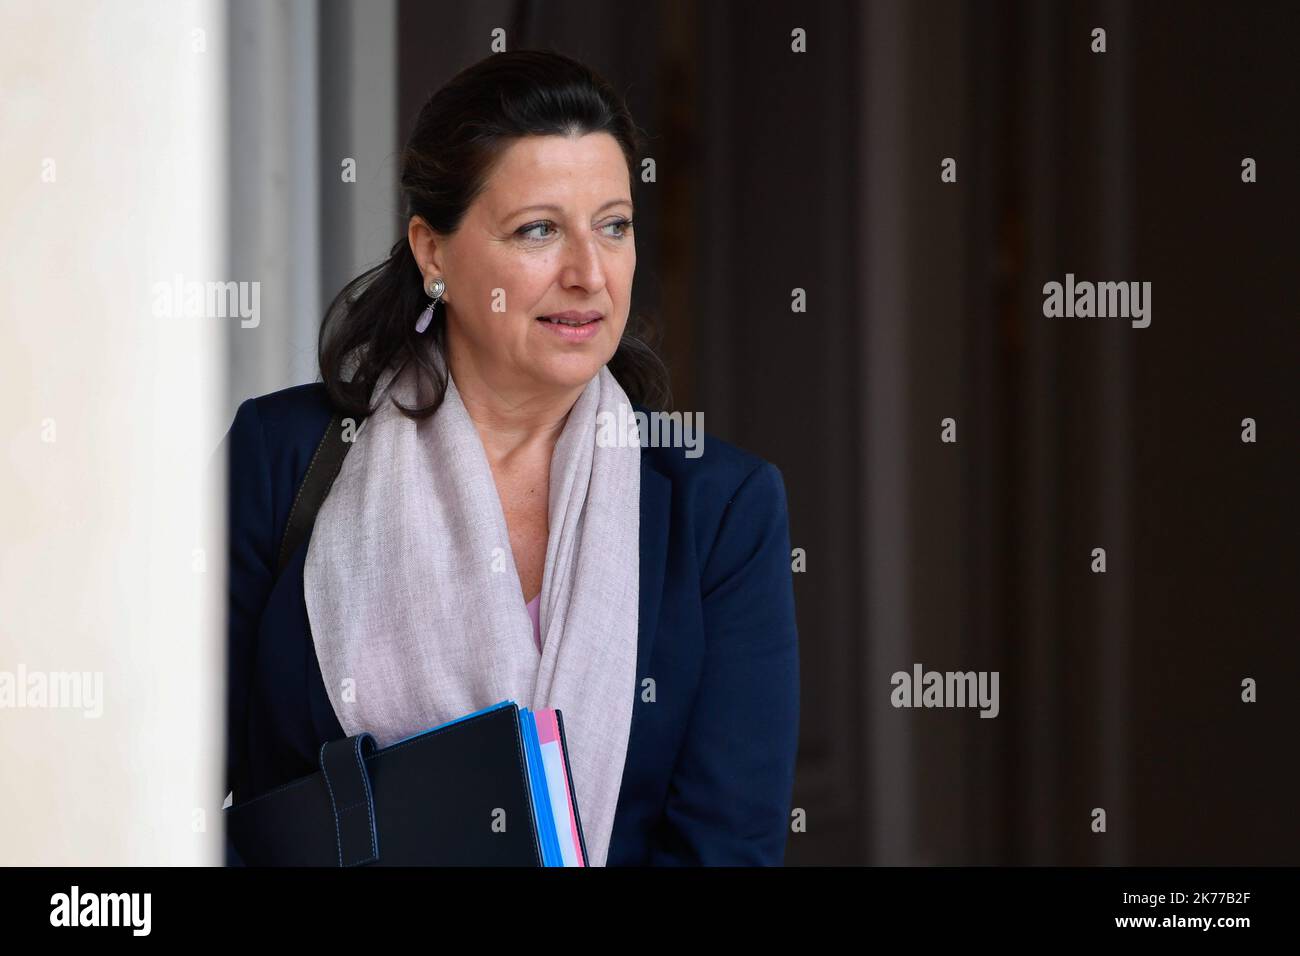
(490, 788)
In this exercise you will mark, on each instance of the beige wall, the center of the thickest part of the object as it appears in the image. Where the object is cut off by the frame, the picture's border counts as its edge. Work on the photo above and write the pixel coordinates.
(111, 180)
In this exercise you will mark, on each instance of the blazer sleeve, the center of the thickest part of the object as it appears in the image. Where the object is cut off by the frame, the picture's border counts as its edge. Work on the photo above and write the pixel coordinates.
(251, 567)
(729, 797)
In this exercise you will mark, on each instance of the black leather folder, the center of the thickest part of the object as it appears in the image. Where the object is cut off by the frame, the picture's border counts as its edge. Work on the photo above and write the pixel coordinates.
(457, 795)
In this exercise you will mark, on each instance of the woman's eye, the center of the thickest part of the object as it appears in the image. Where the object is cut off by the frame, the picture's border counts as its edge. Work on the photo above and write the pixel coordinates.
(529, 231)
(622, 225)
(525, 230)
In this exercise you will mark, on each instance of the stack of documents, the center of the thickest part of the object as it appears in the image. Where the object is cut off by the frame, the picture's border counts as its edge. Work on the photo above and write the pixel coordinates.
(492, 788)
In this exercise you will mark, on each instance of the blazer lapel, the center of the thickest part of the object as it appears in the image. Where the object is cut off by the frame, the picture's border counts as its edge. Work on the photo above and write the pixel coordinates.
(656, 499)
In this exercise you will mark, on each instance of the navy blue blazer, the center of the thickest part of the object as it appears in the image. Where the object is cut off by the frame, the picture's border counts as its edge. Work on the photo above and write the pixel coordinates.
(709, 773)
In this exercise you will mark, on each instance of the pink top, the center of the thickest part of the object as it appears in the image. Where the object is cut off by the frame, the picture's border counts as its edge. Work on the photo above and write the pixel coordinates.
(534, 609)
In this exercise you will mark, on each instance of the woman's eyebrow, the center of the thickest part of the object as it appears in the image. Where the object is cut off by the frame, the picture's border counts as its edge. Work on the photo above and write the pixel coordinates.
(553, 208)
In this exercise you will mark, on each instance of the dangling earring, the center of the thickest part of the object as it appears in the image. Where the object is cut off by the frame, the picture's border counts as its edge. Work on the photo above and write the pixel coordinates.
(434, 289)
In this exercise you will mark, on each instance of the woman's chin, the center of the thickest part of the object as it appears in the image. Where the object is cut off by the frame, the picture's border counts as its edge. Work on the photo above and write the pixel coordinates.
(571, 371)
(572, 365)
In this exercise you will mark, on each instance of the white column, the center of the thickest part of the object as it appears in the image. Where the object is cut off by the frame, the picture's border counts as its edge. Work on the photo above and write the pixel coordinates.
(111, 187)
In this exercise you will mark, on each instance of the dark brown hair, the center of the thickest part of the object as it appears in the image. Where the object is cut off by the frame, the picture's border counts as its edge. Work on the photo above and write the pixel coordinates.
(460, 133)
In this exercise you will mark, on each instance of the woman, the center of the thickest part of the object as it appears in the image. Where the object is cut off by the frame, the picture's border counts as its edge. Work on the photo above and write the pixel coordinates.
(484, 538)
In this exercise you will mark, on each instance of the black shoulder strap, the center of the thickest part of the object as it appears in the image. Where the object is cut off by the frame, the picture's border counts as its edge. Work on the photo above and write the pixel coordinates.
(322, 471)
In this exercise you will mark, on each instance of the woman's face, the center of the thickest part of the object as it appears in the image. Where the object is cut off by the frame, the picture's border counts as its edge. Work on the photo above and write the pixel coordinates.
(547, 235)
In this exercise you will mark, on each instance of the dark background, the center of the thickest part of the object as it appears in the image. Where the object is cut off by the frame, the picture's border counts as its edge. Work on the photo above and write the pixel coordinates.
(820, 171)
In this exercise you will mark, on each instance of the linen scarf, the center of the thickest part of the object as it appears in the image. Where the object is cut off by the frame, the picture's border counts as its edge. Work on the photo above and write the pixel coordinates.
(416, 608)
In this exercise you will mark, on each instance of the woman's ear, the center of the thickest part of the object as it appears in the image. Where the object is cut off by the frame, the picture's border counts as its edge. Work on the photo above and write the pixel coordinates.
(424, 247)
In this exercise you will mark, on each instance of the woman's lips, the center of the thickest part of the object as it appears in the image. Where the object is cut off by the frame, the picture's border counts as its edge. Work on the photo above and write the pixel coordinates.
(574, 327)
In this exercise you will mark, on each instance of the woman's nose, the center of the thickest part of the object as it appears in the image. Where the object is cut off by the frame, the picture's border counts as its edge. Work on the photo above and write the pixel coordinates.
(582, 264)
